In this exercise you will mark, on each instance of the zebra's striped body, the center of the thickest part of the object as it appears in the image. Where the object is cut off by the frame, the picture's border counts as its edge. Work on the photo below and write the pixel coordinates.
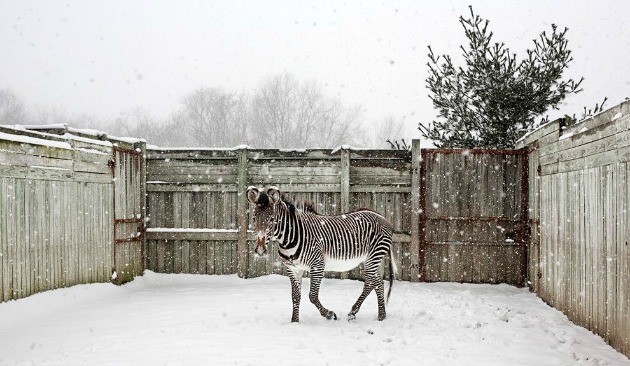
(311, 242)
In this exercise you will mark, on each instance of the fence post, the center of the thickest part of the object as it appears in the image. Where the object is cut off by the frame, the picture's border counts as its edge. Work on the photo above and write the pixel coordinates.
(143, 201)
(414, 248)
(345, 180)
(242, 208)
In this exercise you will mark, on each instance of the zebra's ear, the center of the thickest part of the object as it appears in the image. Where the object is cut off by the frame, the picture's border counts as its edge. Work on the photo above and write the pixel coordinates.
(274, 195)
(252, 194)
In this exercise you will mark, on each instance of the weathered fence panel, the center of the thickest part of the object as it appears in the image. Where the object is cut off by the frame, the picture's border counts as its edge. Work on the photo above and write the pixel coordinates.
(192, 211)
(195, 196)
(72, 203)
(580, 183)
(474, 215)
(55, 200)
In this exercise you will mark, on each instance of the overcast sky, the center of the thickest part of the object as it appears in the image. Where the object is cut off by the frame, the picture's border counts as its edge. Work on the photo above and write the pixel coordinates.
(104, 57)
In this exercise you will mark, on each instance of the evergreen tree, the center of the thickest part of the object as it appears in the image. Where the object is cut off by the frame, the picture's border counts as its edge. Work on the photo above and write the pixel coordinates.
(494, 99)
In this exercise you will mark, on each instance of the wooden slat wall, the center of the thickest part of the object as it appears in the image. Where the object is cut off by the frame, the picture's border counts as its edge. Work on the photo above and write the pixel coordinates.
(56, 221)
(473, 227)
(582, 264)
(200, 190)
(192, 190)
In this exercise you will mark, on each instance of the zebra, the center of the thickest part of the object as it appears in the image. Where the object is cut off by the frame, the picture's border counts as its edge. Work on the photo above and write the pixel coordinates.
(308, 241)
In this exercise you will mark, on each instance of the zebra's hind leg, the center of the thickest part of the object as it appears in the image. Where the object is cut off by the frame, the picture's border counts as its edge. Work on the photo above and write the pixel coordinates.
(367, 288)
(373, 281)
(380, 291)
(317, 273)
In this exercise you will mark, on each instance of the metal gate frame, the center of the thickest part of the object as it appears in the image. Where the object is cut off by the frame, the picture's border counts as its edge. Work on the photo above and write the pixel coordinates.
(522, 236)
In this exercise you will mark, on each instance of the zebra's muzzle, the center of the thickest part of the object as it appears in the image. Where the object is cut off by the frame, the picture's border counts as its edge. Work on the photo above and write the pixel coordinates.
(261, 248)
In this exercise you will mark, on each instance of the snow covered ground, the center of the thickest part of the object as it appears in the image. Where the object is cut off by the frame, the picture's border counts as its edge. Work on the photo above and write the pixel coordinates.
(224, 320)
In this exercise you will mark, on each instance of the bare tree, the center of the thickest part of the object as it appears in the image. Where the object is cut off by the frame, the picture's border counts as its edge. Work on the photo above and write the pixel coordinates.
(12, 109)
(139, 123)
(56, 115)
(286, 113)
(380, 132)
(212, 117)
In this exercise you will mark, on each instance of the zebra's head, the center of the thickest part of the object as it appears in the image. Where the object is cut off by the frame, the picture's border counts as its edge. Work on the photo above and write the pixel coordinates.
(264, 215)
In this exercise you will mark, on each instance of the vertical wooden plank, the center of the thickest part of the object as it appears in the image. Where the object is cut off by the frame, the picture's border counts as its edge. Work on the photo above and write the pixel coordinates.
(107, 241)
(29, 231)
(6, 190)
(610, 252)
(219, 257)
(424, 181)
(191, 255)
(160, 256)
(12, 223)
(184, 212)
(210, 260)
(150, 256)
(414, 206)
(67, 231)
(241, 218)
(202, 257)
(185, 245)
(16, 247)
(169, 256)
(28, 244)
(95, 245)
(345, 180)
(177, 256)
(55, 196)
(624, 269)
(84, 231)
(20, 238)
(3, 237)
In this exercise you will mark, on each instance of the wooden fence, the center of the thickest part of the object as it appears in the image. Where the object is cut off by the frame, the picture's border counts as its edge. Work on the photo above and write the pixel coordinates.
(579, 260)
(57, 211)
(474, 216)
(198, 215)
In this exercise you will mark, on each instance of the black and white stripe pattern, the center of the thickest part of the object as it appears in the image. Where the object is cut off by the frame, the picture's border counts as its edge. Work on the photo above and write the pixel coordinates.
(311, 242)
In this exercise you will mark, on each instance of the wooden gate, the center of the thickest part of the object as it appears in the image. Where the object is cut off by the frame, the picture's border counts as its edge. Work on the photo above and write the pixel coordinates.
(473, 221)
(129, 213)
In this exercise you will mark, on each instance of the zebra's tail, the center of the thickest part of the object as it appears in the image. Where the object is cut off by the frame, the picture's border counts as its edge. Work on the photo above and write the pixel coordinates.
(392, 273)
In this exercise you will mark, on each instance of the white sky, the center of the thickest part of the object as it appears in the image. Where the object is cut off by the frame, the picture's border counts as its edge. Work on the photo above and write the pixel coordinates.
(104, 57)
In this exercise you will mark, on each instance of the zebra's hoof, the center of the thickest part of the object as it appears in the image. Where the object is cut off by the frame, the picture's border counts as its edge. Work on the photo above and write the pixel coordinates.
(381, 317)
(331, 315)
(351, 317)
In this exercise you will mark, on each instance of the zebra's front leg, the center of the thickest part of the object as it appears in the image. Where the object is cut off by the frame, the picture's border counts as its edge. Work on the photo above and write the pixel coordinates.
(296, 293)
(317, 274)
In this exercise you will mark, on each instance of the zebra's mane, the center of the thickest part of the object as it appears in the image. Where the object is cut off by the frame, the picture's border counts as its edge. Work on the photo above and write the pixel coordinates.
(303, 206)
